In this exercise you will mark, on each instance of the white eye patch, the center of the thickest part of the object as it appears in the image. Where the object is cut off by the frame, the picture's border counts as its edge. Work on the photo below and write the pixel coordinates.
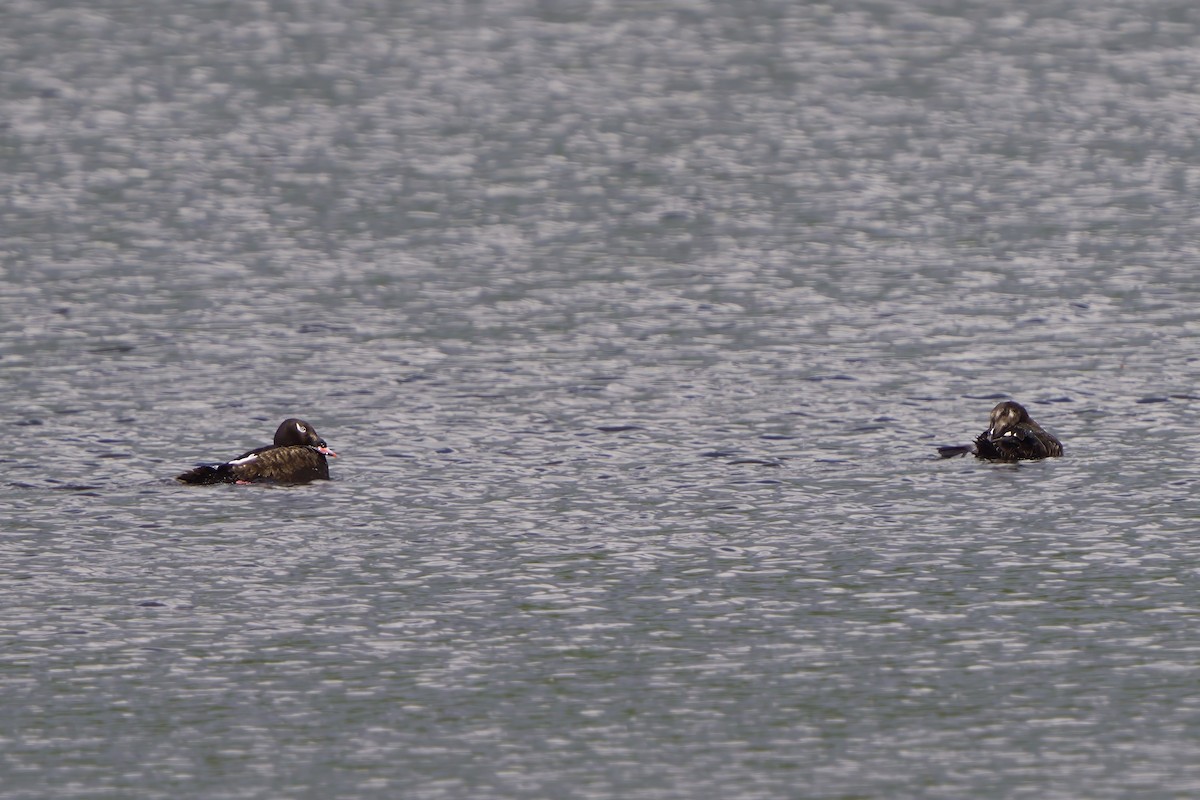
(301, 428)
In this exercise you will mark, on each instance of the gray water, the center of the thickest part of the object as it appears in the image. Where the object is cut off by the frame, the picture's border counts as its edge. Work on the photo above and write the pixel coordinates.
(635, 325)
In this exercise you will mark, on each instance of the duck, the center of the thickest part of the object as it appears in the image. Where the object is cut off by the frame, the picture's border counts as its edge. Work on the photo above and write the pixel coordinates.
(297, 456)
(1012, 435)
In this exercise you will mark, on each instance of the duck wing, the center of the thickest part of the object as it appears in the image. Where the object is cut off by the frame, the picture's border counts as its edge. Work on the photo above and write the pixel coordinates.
(1024, 442)
(294, 464)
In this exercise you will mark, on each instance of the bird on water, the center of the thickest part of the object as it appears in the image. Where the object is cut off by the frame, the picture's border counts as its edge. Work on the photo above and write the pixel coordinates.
(297, 456)
(1012, 435)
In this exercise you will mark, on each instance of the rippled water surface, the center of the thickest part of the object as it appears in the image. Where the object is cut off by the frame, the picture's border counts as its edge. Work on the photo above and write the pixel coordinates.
(635, 326)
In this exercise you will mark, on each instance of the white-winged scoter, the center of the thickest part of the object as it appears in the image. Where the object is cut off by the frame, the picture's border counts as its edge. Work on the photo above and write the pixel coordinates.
(297, 456)
(1011, 436)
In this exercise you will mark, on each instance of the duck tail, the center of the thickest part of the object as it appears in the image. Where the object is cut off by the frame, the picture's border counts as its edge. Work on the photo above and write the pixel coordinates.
(950, 451)
(207, 474)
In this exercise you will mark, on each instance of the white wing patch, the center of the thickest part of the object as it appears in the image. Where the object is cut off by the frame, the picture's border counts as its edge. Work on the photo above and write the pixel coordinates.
(246, 460)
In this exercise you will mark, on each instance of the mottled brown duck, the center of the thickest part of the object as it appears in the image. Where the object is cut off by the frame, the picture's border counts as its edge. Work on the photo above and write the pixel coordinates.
(1011, 436)
(297, 456)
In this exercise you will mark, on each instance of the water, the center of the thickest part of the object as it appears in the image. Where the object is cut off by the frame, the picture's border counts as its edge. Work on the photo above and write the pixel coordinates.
(635, 326)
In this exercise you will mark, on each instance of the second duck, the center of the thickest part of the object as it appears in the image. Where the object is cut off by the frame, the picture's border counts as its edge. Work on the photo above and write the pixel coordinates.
(1011, 436)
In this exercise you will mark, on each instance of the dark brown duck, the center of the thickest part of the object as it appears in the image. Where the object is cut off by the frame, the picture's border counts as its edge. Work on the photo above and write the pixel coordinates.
(297, 456)
(1012, 436)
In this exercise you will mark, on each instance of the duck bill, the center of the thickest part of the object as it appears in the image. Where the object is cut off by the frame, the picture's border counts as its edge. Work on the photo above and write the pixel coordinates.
(324, 450)
(997, 432)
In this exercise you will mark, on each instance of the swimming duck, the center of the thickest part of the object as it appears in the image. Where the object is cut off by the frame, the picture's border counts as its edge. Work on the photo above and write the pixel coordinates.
(1011, 436)
(297, 456)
